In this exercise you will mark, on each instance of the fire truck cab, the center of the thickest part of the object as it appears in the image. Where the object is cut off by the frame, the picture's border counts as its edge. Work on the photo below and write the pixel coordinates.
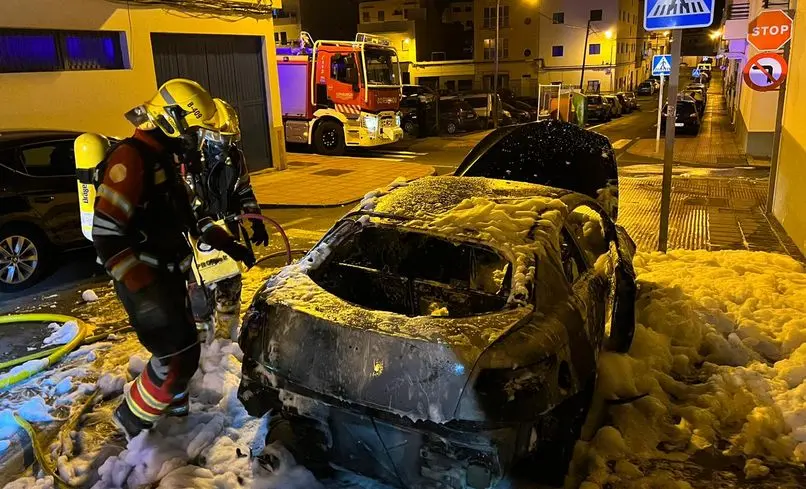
(336, 94)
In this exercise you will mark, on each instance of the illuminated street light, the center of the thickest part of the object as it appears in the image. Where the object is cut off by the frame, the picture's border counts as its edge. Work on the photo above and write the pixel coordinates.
(609, 34)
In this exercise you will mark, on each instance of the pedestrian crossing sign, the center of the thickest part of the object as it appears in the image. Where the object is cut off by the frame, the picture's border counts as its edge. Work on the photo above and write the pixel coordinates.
(678, 14)
(662, 65)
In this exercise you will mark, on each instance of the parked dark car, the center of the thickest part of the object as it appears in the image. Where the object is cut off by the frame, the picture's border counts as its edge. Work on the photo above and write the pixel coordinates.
(646, 88)
(418, 107)
(38, 204)
(456, 115)
(413, 347)
(518, 114)
(687, 118)
(598, 108)
(531, 109)
(698, 98)
(562, 155)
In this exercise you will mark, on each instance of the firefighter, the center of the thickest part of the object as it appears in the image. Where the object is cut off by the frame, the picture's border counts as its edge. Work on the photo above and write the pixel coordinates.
(141, 214)
(220, 181)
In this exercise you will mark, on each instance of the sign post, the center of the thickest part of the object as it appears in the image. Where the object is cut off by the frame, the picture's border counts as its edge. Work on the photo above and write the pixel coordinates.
(670, 15)
(662, 67)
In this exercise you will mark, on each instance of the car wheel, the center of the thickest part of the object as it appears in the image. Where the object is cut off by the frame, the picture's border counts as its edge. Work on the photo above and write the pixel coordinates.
(328, 139)
(410, 128)
(451, 128)
(23, 257)
(557, 434)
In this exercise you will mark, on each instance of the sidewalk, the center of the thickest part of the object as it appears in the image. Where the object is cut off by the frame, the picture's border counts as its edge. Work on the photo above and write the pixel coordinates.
(709, 213)
(714, 146)
(323, 181)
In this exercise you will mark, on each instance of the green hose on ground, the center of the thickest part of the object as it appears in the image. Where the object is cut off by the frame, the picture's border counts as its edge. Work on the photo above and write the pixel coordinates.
(53, 355)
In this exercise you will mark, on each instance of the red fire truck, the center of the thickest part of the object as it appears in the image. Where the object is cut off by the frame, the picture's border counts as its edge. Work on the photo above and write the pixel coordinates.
(336, 94)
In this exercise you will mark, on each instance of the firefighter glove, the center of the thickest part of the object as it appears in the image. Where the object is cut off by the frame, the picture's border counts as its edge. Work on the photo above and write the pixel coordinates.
(239, 252)
(259, 234)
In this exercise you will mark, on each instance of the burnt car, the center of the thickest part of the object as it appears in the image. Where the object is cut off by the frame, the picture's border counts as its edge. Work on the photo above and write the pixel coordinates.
(554, 153)
(445, 333)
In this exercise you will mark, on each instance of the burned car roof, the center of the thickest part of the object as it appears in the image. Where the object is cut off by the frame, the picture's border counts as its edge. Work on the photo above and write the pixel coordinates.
(430, 196)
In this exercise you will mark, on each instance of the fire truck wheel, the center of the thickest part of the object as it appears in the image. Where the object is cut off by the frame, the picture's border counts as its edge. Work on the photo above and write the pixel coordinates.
(328, 139)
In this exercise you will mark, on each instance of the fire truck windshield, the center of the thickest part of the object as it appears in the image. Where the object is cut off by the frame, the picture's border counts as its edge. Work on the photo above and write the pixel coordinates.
(381, 67)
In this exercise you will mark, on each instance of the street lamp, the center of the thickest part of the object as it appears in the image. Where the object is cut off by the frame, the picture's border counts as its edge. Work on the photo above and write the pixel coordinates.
(496, 107)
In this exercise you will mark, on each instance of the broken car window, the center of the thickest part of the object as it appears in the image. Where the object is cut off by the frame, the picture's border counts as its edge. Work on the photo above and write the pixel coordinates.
(415, 274)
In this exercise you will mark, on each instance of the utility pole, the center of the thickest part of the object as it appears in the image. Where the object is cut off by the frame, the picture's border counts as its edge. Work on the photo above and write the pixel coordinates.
(496, 106)
(584, 57)
(668, 159)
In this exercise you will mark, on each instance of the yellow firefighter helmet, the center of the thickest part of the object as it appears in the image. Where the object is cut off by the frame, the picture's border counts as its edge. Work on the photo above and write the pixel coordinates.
(90, 150)
(179, 106)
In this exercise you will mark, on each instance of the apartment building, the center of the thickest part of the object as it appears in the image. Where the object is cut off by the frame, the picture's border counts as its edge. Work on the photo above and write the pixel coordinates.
(287, 24)
(459, 12)
(616, 53)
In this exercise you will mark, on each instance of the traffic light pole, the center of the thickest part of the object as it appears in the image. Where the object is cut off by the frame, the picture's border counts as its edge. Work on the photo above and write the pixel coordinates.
(668, 159)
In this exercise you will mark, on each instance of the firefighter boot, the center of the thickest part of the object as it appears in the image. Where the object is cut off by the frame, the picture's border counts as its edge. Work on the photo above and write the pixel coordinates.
(126, 421)
(180, 407)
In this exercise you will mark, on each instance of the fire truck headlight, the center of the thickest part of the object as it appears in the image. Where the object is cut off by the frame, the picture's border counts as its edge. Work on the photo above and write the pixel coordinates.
(397, 119)
(371, 122)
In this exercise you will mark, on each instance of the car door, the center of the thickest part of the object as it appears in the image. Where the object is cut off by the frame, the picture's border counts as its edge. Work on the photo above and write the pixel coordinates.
(49, 185)
(586, 238)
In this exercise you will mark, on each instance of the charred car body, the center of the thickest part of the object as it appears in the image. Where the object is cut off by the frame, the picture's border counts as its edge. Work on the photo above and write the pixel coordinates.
(446, 333)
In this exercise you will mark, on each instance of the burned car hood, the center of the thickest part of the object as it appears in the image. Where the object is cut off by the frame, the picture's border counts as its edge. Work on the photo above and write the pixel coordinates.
(319, 345)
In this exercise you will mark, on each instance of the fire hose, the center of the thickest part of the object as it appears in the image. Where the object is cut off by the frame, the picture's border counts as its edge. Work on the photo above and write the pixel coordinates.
(288, 251)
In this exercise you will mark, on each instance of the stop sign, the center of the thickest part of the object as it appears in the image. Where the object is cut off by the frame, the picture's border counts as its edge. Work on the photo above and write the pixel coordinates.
(770, 30)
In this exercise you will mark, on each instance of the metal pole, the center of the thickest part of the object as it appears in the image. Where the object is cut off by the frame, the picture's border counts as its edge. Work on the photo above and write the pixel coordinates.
(668, 160)
(584, 58)
(660, 111)
(496, 105)
(612, 65)
(776, 138)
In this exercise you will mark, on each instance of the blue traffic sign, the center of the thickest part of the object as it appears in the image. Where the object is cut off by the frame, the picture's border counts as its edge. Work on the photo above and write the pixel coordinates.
(662, 64)
(695, 73)
(678, 14)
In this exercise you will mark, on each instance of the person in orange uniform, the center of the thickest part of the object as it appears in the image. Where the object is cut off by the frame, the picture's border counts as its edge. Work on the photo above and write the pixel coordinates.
(142, 215)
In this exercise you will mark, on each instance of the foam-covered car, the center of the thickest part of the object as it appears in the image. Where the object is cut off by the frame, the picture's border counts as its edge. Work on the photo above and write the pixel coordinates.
(445, 333)
(551, 152)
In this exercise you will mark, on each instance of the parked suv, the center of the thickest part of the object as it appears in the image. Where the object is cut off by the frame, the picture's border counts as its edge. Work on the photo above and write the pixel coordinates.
(418, 109)
(456, 115)
(38, 204)
(598, 108)
(646, 88)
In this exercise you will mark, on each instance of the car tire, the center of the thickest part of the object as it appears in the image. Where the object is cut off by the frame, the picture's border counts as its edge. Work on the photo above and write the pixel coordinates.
(558, 433)
(24, 257)
(410, 128)
(328, 138)
(451, 128)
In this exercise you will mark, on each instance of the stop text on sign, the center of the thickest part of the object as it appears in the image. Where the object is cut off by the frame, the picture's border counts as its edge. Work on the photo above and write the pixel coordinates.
(770, 31)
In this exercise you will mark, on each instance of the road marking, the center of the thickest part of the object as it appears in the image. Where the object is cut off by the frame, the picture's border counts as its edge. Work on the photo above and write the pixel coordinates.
(597, 125)
(621, 143)
(391, 151)
(297, 221)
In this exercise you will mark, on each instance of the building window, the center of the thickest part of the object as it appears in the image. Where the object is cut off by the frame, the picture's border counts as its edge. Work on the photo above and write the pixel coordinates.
(397, 12)
(595, 49)
(558, 18)
(281, 38)
(457, 10)
(489, 46)
(365, 17)
(35, 50)
(468, 9)
(469, 24)
(557, 51)
(381, 15)
(596, 15)
(489, 17)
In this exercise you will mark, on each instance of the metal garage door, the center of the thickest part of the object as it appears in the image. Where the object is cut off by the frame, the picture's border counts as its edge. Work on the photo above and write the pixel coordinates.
(231, 68)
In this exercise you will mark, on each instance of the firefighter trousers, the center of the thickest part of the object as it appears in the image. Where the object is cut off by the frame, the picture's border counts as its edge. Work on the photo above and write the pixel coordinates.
(160, 315)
